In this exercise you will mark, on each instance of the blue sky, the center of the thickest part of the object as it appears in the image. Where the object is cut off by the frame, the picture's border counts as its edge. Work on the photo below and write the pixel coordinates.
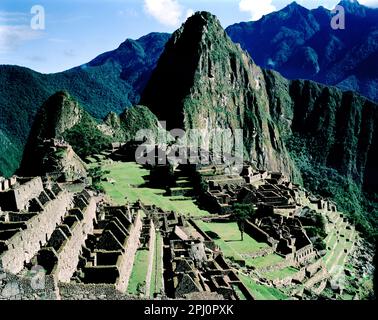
(76, 31)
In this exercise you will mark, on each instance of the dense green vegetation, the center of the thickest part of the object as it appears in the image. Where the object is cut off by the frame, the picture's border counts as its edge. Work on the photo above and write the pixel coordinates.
(10, 156)
(96, 173)
(138, 118)
(61, 117)
(360, 208)
(315, 226)
(86, 139)
(242, 211)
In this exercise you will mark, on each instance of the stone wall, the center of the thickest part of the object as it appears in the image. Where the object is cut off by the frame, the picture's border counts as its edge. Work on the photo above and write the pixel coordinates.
(298, 276)
(5, 184)
(305, 254)
(26, 243)
(287, 212)
(31, 286)
(276, 266)
(318, 277)
(259, 235)
(125, 266)
(18, 198)
(27, 191)
(68, 255)
(313, 267)
(80, 291)
(318, 290)
(199, 230)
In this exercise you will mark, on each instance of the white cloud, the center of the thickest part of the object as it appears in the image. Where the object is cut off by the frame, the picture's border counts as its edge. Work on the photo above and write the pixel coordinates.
(257, 8)
(331, 4)
(369, 3)
(11, 37)
(167, 12)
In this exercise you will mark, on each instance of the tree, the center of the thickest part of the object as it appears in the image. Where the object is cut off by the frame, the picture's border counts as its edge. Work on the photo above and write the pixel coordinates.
(241, 213)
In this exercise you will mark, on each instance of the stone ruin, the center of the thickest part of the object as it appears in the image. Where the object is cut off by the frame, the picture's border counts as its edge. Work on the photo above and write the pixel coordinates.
(107, 253)
(87, 248)
(29, 217)
(197, 266)
(279, 204)
(67, 236)
(285, 235)
(60, 162)
(16, 192)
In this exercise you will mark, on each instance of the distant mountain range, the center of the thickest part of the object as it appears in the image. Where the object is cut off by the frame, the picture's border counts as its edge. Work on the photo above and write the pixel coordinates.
(111, 82)
(300, 44)
(297, 42)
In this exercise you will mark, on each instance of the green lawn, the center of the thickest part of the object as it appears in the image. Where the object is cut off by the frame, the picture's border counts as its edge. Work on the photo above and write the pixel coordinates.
(337, 257)
(230, 234)
(261, 292)
(227, 250)
(261, 262)
(157, 270)
(139, 273)
(128, 179)
(233, 247)
(281, 274)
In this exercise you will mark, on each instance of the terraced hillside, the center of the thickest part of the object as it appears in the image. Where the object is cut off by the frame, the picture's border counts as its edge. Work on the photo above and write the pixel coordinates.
(266, 273)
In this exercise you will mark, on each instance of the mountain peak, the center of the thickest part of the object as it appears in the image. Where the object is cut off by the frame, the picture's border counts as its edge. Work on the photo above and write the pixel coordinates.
(199, 24)
(294, 7)
(349, 3)
(59, 113)
(293, 4)
(353, 7)
(196, 50)
(204, 16)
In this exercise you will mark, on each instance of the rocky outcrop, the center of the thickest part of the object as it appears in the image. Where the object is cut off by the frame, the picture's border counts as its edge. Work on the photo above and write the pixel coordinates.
(60, 124)
(64, 133)
(204, 81)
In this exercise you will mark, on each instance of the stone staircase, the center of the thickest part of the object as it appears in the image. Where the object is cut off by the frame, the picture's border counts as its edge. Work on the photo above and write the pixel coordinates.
(183, 185)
